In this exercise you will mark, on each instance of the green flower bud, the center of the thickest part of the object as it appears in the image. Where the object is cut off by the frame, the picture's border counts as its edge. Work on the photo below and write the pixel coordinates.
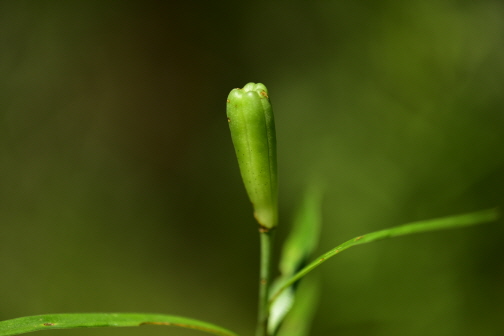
(252, 126)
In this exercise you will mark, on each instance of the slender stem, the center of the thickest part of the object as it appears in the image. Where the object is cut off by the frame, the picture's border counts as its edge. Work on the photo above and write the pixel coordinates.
(264, 279)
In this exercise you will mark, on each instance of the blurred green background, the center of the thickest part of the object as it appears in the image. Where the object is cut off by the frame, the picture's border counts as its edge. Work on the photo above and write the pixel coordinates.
(120, 192)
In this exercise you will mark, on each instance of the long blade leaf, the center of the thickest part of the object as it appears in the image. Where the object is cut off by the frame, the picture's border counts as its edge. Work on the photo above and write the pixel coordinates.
(299, 319)
(297, 252)
(64, 321)
(415, 227)
(304, 236)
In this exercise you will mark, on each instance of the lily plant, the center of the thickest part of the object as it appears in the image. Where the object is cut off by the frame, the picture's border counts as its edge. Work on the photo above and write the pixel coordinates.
(287, 302)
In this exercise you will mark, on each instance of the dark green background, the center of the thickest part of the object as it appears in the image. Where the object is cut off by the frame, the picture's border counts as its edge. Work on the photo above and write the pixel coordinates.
(120, 192)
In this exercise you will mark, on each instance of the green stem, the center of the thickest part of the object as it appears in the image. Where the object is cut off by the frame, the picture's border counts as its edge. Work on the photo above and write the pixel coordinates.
(264, 279)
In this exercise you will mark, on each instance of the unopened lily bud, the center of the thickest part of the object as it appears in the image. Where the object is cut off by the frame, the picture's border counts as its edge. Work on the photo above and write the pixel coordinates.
(252, 126)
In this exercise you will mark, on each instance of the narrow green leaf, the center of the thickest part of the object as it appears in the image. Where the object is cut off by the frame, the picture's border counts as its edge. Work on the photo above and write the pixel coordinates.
(297, 251)
(65, 321)
(304, 235)
(416, 227)
(279, 309)
(299, 319)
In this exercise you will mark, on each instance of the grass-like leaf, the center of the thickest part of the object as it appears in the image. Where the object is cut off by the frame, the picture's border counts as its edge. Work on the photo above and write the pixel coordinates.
(297, 252)
(304, 236)
(65, 321)
(299, 319)
(415, 227)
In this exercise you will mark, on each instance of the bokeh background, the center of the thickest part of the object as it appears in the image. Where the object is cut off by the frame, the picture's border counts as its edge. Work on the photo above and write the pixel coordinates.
(120, 192)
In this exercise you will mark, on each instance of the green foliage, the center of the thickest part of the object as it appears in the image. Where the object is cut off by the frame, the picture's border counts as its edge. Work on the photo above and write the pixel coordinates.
(66, 321)
(290, 308)
(297, 251)
(450, 222)
(298, 320)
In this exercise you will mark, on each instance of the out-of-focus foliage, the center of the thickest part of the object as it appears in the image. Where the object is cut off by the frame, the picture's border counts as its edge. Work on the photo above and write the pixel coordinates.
(297, 251)
(119, 189)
